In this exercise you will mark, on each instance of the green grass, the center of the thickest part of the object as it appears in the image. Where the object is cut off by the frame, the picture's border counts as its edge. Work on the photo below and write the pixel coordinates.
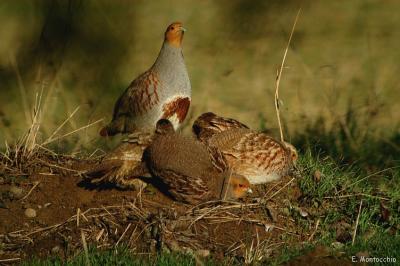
(119, 257)
(380, 245)
(339, 91)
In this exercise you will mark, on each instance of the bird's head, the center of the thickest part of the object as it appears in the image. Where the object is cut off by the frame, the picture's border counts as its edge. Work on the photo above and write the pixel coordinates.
(174, 34)
(164, 126)
(236, 186)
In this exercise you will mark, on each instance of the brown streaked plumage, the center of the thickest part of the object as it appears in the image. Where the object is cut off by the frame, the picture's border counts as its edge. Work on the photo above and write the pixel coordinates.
(163, 91)
(122, 165)
(257, 156)
(209, 124)
(191, 172)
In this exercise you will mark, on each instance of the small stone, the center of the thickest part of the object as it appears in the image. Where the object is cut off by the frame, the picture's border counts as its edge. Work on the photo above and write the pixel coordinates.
(16, 192)
(39, 206)
(46, 204)
(203, 253)
(30, 213)
(303, 213)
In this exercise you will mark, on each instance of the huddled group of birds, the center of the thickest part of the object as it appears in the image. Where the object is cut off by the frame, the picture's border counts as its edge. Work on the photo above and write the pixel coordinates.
(222, 160)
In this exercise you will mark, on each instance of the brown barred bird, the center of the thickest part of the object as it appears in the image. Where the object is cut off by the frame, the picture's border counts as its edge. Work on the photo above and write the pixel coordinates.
(209, 124)
(189, 171)
(118, 164)
(163, 91)
(255, 155)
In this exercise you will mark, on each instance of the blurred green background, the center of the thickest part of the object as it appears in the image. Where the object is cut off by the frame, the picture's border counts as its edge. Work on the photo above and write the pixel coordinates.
(342, 65)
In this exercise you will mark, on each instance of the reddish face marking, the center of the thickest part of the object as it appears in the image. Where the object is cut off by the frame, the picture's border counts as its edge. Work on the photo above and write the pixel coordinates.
(179, 106)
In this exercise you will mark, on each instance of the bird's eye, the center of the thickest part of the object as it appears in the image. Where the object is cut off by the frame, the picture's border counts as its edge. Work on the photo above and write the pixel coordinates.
(241, 185)
(172, 28)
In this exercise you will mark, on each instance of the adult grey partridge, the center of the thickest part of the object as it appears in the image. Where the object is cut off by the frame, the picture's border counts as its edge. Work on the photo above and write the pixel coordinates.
(255, 155)
(163, 91)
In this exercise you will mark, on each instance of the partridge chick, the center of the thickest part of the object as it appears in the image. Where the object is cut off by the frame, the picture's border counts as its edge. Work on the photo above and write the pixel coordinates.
(163, 91)
(257, 156)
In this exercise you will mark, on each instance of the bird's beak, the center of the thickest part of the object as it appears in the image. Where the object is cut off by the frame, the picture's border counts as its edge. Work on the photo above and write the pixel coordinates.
(249, 191)
(183, 29)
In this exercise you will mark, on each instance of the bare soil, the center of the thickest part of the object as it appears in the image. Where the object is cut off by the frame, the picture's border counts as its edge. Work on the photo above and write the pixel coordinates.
(72, 213)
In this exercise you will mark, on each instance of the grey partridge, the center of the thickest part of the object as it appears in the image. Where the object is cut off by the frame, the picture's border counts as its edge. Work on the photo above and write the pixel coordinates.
(255, 155)
(118, 166)
(191, 172)
(163, 91)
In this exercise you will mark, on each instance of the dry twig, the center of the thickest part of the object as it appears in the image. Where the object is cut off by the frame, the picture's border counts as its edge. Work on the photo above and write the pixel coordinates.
(279, 75)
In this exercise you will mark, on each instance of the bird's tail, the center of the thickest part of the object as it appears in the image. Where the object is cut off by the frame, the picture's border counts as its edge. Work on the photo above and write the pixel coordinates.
(105, 172)
(116, 172)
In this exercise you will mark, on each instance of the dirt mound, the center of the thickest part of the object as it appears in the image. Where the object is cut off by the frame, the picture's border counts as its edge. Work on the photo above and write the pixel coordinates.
(70, 214)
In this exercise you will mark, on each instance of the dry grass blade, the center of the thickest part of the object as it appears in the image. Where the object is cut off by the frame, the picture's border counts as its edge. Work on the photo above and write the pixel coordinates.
(357, 195)
(30, 191)
(123, 234)
(29, 140)
(366, 177)
(61, 126)
(85, 248)
(10, 260)
(72, 132)
(313, 233)
(279, 75)
(356, 226)
(279, 190)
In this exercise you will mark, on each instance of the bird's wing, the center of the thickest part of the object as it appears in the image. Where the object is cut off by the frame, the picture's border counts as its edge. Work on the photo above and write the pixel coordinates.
(258, 151)
(139, 97)
(182, 187)
(228, 139)
(217, 158)
(208, 124)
